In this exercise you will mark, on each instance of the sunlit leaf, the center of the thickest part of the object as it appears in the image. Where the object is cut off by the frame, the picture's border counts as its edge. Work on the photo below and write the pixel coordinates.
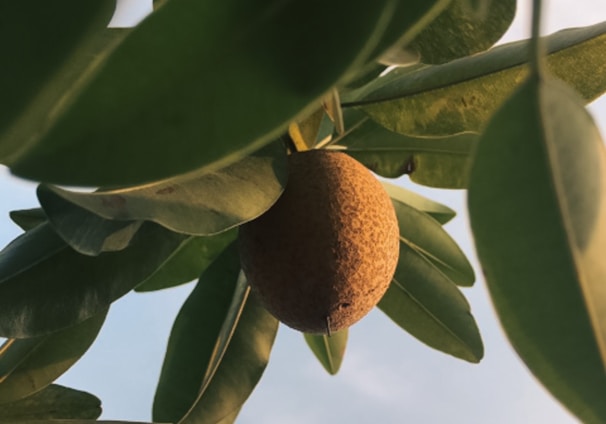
(198, 203)
(459, 32)
(200, 85)
(328, 349)
(541, 238)
(218, 348)
(29, 365)
(426, 236)
(46, 286)
(433, 161)
(237, 365)
(425, 303)
(437, 211)
(186, 265)
(54, 404)
(462, 95)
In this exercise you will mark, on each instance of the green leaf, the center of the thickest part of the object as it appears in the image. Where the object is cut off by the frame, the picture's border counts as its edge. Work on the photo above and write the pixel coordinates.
(189, 261)
(433, 161)
(237, 365)
(437, 211)
(328, 349)
(29, 365)
(462, 95)
(199, 85)
(460, 32)
(46, 286)
(28, 218)
(43, 43)
(198, 203)
(52, 403)
(425, 303)
(541, 238)
(425, 235)
(220, 334)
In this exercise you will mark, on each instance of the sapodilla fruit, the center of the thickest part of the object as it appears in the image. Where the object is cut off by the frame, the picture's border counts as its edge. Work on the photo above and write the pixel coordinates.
(324, 254)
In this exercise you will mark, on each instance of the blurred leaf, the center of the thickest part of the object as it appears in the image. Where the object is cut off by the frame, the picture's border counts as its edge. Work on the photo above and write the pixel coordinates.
(425, 303)
(198, 203)
(437, 211)
(459, 32)
(44, 46)
(52, 403)
(426, 236)
(408, 18)
(212, 334)
(437, 161)
(29, 365)
(199, 85)
(462, 95)
(328, 349)
(46, 286)
(28, 218)
(541, 238)
(189, 261)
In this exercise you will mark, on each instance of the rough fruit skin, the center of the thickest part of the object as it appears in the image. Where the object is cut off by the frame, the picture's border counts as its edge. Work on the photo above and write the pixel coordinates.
(324, 254)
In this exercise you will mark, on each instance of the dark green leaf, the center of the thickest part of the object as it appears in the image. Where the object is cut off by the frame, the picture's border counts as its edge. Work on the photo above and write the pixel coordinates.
(46, 286)
(52, 403)
(462, 95)
(214, 336)
(28, 218)
(426, 236)
(200, 85)
(460, 32)
(192, 258)
(541, 238)
(425, 303)
(433, 161)
(39, 41)
(437, 211)
(29, 365)
(328, 349)
(198, 203)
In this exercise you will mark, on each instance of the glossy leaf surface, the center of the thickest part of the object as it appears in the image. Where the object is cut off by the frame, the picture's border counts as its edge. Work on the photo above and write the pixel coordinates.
(541, 238)
(426, 236)
(46, 286)
(425, 303)
(433, 161)
(186, 265)
(460, 31)
(437, 211)
(198, 203)
(328, 349)
(462, 95)
(30, 365)
(199, 85)
(53, 403)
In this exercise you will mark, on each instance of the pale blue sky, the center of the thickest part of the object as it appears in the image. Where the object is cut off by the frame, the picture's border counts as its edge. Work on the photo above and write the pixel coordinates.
(387, 376)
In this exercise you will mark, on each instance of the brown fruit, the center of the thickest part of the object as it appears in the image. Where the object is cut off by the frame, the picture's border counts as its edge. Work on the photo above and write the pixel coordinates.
(324, 254)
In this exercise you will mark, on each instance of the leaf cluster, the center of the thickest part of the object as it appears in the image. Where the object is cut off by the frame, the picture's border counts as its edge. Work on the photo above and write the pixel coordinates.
(179, 129)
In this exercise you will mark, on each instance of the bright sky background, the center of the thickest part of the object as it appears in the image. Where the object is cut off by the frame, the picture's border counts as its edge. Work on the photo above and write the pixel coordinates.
(387, 376)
